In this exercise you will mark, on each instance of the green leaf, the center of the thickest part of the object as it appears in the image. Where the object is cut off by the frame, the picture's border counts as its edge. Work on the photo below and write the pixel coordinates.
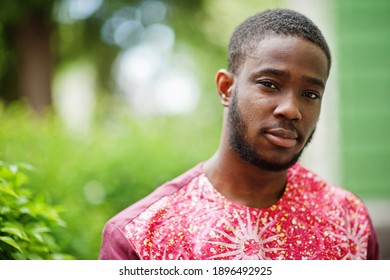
(25, 210)
(5, 188)
(20, 179)
(11, 242)
(41, 229)
(18, 256)
(62, 257)
(26, 166)
(4, 210)
(6, 173)
(14, 231)
(36, 232)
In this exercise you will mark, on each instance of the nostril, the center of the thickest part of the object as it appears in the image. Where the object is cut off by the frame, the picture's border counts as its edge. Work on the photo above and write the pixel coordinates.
(288, 110)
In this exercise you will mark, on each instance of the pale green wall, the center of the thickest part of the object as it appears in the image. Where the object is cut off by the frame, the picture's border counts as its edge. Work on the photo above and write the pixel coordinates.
(363, 46)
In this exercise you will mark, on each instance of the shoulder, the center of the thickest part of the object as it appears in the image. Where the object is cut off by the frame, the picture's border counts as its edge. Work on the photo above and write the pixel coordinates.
(343, 210)
(323, 198)
(116, 243)
(124, 217)
(310, 184)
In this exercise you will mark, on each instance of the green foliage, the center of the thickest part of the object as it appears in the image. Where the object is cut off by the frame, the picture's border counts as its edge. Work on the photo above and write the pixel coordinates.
(94, 176)
(25, 220)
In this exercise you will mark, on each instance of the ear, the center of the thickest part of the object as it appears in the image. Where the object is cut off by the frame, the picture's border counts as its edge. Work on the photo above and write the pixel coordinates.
(224, 82)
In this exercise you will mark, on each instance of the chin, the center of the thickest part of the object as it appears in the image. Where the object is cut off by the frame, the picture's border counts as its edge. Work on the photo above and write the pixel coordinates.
(273, 164)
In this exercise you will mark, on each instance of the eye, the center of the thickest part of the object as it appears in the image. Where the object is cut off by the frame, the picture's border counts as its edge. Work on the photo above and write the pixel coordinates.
(268, 84)
(311, 95)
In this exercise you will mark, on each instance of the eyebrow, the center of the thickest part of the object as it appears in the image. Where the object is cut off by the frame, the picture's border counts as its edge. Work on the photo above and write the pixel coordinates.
(281, 73)
(272, 71)
(315, 81)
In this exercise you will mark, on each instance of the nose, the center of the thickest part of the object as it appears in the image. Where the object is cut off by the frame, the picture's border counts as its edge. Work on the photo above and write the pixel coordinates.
(288, 108)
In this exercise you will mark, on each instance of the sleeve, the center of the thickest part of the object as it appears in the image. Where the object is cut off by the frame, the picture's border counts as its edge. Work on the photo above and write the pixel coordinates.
(373, 244)
(115, 245)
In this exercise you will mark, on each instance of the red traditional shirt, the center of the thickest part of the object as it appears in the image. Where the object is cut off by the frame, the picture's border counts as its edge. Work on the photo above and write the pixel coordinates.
(189, 219)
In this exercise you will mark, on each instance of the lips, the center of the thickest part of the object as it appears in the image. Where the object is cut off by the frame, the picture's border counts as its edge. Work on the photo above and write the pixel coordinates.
(281, 137)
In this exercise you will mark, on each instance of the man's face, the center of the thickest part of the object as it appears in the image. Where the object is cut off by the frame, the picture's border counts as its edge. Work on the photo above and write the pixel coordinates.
(276, 101)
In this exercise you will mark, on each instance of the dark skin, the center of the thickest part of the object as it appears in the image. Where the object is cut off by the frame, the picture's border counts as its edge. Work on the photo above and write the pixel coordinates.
(278, 91)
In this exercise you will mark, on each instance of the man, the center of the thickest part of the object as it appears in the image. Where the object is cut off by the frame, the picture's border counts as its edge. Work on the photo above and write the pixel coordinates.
(251, 199)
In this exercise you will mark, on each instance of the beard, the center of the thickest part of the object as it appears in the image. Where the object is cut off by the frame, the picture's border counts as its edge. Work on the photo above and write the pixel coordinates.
(239, 143)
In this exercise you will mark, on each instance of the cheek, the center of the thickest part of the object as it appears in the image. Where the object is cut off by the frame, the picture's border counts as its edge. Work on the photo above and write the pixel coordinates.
(260, 104)
(316, 112)
(256, 110)
(311, 120)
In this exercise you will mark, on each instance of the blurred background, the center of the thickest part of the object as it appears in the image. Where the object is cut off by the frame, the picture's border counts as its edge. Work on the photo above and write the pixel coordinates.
(109, 99)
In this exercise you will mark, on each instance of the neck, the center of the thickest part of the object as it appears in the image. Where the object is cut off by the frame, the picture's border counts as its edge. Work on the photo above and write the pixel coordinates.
(243, 183)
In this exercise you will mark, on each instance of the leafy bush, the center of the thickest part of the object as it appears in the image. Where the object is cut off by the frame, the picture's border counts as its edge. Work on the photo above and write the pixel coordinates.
(93, 176)
(25, 220)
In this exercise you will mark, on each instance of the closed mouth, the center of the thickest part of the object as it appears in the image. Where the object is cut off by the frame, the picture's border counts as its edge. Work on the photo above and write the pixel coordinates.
(282, 137)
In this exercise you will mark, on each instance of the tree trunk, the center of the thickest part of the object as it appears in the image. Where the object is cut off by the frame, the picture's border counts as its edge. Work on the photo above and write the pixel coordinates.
(34, 60)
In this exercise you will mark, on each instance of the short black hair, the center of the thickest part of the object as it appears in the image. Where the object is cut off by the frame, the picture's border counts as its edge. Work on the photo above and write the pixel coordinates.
(272, 22)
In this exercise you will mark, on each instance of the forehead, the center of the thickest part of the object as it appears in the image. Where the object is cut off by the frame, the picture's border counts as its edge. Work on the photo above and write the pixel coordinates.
(289, 53)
